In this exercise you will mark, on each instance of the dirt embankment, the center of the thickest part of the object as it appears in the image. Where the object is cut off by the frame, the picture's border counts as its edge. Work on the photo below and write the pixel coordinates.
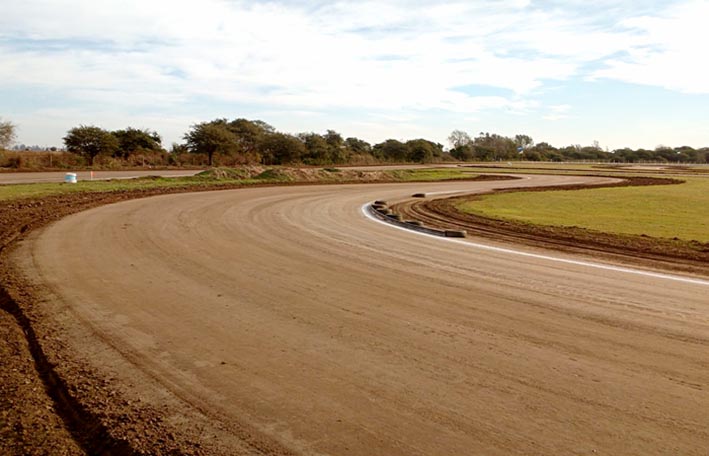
(39, 414)
(670, 254)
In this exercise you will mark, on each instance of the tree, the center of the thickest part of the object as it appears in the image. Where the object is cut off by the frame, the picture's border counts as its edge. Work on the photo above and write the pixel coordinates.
(211, 138)
(179, 149)
(131, 140)
(524, 141)
(423, 151)
(281, 148)
(702, 155)
(391, 150)
(7, 133)
(90, 141)
(358, 146)
(317, 149)
(250, 134)
(459, 138)
(463, 153)
(336, 145)
(494, 147)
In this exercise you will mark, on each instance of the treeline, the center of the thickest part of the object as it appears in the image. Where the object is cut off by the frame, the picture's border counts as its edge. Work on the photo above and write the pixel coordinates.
(255, 141)
(131, 146)
(242, 141)
(223, 142)
(494, 147)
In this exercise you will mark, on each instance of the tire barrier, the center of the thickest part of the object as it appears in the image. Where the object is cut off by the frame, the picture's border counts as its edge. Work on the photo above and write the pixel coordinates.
(386, 215)
(418, 195)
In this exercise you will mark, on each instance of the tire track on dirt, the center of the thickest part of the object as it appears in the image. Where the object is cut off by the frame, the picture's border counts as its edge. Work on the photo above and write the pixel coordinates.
(289, 314)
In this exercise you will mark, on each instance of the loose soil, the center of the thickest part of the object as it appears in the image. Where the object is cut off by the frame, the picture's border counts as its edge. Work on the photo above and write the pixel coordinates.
(40, 414)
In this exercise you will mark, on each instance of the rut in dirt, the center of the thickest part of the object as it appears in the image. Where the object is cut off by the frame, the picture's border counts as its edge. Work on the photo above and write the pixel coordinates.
(85, 427)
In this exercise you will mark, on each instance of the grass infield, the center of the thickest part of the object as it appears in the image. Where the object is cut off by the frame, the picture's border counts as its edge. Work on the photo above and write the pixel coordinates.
(663, 211)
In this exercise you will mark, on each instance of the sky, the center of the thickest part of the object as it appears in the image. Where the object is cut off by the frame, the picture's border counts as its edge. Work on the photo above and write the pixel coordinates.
(625, 74)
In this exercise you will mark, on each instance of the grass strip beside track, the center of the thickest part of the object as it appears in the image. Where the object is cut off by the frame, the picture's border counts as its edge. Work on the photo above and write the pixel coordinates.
(664, 211)
(230, 177)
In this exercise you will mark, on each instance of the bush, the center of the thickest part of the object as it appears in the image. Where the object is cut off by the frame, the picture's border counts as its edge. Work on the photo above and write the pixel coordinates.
(273, 174)
(225, 174)
(11, 160)
(30, 160)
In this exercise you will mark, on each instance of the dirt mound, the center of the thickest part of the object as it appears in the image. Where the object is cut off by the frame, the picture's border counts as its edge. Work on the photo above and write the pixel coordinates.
(231, 173)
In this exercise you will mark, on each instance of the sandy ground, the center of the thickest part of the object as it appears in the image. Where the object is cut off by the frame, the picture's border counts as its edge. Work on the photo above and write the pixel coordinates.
(283, 321)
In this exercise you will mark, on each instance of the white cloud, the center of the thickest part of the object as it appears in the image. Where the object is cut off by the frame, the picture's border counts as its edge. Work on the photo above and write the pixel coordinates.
(374, 57)
(363, 54)
(557, 112)
(670, 51)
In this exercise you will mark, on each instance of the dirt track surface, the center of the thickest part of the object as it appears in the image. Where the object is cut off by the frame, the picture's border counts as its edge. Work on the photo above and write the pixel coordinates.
(58, 176)
(282, 321)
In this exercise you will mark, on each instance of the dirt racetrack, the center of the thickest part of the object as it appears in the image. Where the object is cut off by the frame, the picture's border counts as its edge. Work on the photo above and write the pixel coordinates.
(283, 321)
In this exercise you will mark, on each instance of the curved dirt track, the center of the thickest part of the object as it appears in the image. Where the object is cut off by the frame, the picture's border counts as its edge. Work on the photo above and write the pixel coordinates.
(291, 323)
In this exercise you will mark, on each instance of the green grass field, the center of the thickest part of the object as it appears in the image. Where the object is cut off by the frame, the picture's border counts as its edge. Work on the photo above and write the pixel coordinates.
(216, 178)
(664, 211)
(439, 174)
(15, 191)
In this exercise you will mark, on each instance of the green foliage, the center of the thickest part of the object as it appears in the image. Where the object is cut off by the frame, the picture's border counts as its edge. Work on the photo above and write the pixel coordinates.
(358, 146)
(317, 149)
(459, 139)
(220, 177)
(90, 141)
(210, 138)
(338, 150)
(425, 175)
(423, 151)
(494, 147)
(331, 148)
(524, 141)
(223, 174)
(274, 174)
(391, 150)
(282, 148)
(7, 133)
(21, 160)
(131, 140)
(250, 134)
